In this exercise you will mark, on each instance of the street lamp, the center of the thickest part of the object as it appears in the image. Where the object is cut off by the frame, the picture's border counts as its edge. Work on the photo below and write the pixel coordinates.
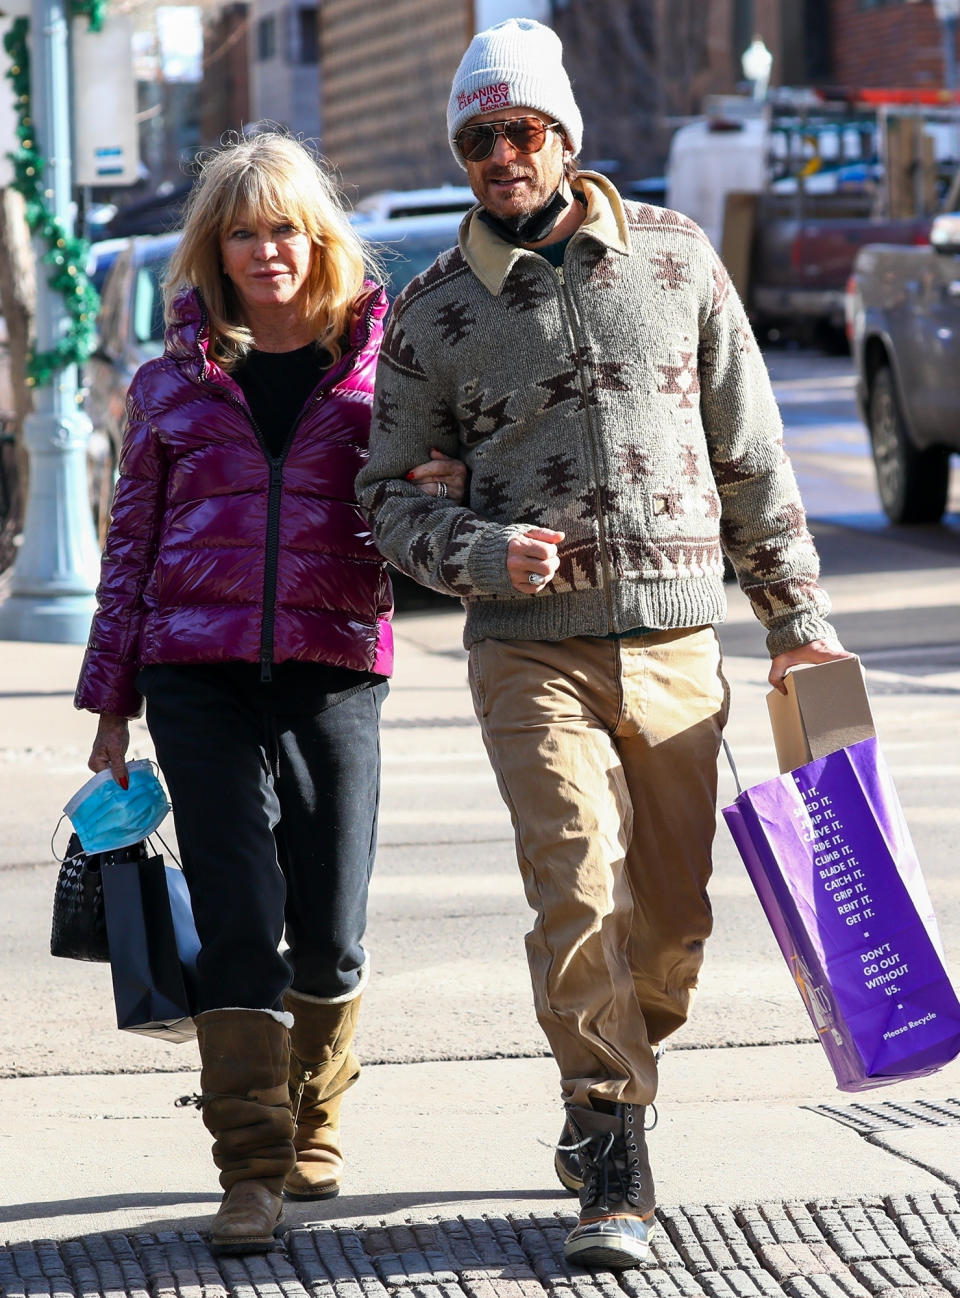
(757, 63)
(54, 577)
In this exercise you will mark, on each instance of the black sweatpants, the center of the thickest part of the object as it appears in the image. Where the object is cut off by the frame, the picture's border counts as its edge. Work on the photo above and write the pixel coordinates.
(275, 790)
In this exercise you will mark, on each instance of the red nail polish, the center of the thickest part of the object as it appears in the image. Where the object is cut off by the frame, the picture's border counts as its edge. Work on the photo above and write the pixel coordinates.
(409, 477)
(124, 782)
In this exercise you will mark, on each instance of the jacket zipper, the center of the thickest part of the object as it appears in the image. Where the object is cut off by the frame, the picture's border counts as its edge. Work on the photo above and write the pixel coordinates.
(275, 491)
(570, 317)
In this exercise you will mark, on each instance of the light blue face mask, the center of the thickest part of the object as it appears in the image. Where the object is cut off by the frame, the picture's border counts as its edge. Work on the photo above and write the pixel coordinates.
(107, 817)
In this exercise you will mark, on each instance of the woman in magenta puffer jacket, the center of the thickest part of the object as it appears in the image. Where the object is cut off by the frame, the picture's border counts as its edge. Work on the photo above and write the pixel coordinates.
(241, 595)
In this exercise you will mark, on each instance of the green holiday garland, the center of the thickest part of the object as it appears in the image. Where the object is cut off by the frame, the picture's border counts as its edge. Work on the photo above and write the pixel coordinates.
(66, 255)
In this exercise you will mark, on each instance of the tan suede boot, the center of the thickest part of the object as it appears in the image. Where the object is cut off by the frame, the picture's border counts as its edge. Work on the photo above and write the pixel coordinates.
(322, 1067)
(245, 1063)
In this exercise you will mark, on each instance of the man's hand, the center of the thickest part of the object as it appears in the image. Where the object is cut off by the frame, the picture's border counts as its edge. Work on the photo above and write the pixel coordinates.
(534, 553)
(110, 746)
(442, 475)
(817, 651)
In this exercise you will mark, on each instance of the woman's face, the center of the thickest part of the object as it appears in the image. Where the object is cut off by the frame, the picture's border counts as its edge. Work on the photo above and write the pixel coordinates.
(267, 263)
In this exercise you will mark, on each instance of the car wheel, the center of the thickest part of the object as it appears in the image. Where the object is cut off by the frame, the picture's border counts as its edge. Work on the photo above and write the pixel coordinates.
(912, 484)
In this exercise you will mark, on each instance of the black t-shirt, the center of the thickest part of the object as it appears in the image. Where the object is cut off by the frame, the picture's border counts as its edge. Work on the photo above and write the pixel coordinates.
(553, 252)
(277, 386)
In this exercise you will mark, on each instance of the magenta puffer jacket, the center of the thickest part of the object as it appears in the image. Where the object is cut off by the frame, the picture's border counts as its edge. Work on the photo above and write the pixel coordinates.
(216, 552)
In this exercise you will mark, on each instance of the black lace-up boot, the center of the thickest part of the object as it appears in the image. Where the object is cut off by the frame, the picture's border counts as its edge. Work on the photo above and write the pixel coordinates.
(566, 1160)
(617, 1199)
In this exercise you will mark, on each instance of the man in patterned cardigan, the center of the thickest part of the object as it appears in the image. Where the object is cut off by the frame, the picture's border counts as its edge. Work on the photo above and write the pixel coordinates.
(589, 361)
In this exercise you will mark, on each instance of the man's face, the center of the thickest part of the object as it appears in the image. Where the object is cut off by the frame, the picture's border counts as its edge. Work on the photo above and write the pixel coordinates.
(510, 183)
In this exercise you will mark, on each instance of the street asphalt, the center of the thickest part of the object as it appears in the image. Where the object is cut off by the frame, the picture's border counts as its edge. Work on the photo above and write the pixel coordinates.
(770, 1181)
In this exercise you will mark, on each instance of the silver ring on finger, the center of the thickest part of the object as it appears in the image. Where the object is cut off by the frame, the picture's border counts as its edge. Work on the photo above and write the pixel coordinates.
(536, 578)
(441, 490)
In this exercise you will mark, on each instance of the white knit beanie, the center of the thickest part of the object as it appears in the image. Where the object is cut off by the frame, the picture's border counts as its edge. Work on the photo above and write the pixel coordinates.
(516, 64)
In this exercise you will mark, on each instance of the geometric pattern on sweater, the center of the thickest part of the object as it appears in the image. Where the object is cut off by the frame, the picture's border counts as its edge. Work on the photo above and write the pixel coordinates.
(568, 384)
(722, 288)
(600, 266)
(681, 380)
(448, 266)
(670, 270)
(455, 322)
(399, 354)
(525, 291)
(479, 419)
(579, 568)
(638, 558)
(625, 405)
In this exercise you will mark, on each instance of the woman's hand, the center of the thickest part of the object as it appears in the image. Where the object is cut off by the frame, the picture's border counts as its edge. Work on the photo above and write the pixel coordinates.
(441, 476)
(110, 746)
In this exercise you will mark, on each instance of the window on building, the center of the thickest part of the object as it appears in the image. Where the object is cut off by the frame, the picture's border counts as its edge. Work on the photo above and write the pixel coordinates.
(879, 4)
(267, 38)
(306, 36)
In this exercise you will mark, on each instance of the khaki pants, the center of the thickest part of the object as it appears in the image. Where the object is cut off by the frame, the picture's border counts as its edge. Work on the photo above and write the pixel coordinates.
(605, 752)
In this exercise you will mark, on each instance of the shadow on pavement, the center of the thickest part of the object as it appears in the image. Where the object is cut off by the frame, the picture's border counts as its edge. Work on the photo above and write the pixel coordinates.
(848, 544)
(101, 1203)
(345, 1208)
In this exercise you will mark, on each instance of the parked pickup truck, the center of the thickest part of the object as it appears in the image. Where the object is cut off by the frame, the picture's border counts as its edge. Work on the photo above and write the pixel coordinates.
(800, 262)
(903, 321)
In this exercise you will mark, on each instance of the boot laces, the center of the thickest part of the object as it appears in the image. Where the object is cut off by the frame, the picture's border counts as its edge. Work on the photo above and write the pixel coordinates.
(198, 1100)
(581, 1144)
(306, 1073)
(611, 1165)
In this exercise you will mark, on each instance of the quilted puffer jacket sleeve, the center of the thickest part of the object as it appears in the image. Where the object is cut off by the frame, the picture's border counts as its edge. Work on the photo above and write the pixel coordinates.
(110, 664)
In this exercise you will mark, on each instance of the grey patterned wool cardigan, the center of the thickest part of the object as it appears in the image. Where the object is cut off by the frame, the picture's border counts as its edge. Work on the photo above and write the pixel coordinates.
(622, 401)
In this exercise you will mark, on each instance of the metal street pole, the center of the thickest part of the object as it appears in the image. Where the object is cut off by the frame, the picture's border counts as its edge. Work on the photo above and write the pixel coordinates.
(55, 575)
(948, 11)
(949, 26)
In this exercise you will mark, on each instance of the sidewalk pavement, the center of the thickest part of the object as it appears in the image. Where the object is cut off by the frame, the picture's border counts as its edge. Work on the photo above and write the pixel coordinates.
(770, 1182)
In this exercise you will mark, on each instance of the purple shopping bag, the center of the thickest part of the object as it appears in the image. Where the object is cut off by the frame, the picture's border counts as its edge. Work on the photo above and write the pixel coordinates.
(830, 856)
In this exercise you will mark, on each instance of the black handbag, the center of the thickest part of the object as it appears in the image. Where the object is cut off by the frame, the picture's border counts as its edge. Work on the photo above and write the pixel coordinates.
(79, 927)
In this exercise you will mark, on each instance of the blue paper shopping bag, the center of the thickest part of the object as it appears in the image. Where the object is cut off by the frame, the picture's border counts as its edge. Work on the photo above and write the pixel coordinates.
(153, 947)
(830, 856)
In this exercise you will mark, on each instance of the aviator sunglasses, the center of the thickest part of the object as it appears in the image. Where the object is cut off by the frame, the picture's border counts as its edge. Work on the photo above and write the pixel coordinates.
(525, 134)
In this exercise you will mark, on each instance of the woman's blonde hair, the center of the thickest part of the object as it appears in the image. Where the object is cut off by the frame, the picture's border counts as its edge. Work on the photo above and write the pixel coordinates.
(274, 178)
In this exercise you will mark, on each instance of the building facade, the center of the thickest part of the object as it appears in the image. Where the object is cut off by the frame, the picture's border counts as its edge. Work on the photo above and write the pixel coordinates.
(639, 68)
(387, 69)
(225, 92)
(284, 52)
(894, 44)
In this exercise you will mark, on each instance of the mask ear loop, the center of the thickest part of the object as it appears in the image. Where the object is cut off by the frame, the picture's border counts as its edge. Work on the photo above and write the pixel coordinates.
(53, 850)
